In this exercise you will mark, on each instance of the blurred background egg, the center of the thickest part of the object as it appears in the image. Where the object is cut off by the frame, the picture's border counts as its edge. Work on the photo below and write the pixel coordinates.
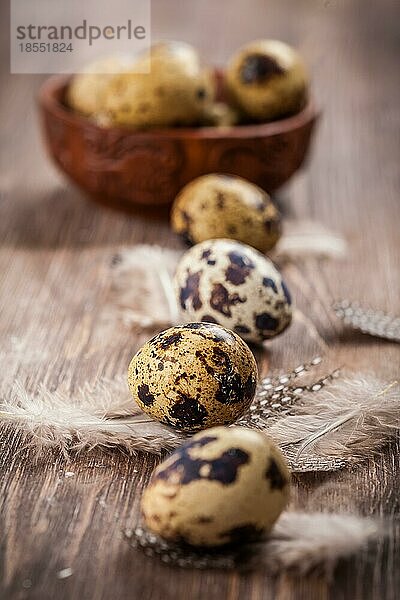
(267, 79)
(87, 90)
(194, 376)
(227, 282)
(226, 206)
(225, 485)
(176, 90)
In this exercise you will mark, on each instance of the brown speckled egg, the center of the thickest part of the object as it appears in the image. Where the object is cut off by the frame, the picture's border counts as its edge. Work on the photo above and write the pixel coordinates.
(267, 79)
(176, 90)
(230, 283)
(194, 376)
(224, 485)
(226, 206)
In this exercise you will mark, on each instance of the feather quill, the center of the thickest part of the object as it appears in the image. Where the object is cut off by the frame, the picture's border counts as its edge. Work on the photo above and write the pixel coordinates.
(299, 542)
(351, 419)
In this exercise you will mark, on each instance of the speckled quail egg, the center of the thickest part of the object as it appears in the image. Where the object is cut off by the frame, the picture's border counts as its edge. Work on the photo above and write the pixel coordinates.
(224, 485)
(230, 283)
(88, 88)
(226, 206)
(267, 80)
(194, 376)
(177, 90)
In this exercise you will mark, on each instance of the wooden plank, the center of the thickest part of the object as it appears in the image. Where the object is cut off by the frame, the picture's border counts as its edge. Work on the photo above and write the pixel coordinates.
(53, 264)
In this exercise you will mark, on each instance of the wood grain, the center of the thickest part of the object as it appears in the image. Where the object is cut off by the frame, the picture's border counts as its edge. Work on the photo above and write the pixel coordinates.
(54, 329)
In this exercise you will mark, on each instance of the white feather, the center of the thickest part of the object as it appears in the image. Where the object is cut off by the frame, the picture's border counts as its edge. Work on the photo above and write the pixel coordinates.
(86, 420)
(345, 422)
(305, 541)
(352, 419)
(309, 239)
(142, 285)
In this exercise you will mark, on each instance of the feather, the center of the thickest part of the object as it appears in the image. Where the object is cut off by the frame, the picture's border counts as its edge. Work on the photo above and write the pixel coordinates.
(303, 542)
(374, 322)
(309, 239)
(322, 425)
(299, 542)
(142, 285)
(351, 419)
(87, 420)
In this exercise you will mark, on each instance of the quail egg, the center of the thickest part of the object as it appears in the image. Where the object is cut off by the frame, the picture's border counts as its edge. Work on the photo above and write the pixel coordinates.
(230, 283)
(225, 485)
(88, 88)
(194, 376)
(177, 90)
(226, 206)
(267, 80)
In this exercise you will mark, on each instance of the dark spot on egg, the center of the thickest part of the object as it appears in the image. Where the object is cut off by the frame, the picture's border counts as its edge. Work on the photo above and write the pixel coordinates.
(188, 413)
(250, 387)
(143, 107)
(232, 229)
(230, 389)
(286, 293)
(145, 396)
(223, 469)
(191, 291)
(186, 217)
(201, 93)
(168, 341)
(258, 68)
(181, 376)
(241, 329)
(270, 283)
(203, 520)
(248, 532)
(221, 357)
(272, 226)
(160, 366)
(266, 323)
(203, 360)
(220, 200)
(208, 319)
(206, 255)
(239, 269)
(276, 479)
(221, 300)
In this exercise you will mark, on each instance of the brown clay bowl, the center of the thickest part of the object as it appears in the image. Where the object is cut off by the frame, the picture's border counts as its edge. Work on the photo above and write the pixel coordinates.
(124, 167)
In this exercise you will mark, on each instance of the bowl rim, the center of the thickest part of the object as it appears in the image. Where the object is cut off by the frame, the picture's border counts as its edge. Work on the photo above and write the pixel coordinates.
(48, 100)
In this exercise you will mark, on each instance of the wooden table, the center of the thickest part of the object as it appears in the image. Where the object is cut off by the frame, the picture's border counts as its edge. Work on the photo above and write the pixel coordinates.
(54, 255)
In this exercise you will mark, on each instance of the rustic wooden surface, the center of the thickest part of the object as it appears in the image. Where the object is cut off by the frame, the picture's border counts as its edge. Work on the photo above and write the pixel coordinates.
(53, 263)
